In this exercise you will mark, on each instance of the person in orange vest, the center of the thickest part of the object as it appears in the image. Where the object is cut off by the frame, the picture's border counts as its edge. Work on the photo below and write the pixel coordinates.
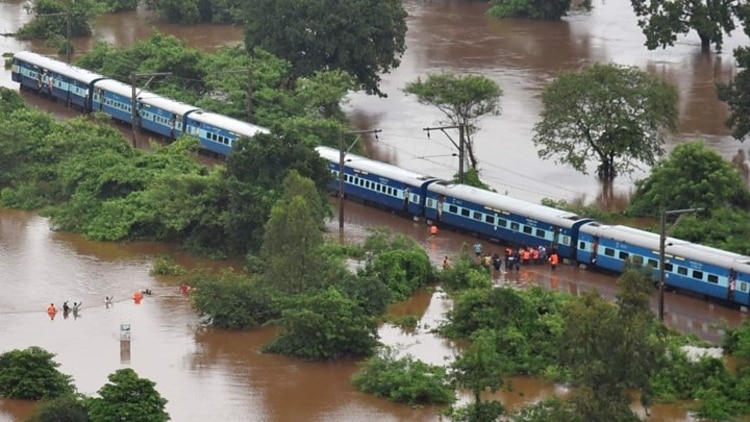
(553, 260)
(534, 256)
(433, 230)
(137, 296)
(525, 256)
(51, 311)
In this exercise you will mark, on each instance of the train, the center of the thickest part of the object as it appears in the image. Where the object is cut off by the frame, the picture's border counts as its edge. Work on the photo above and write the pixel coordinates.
(690, 267)
(91, 92)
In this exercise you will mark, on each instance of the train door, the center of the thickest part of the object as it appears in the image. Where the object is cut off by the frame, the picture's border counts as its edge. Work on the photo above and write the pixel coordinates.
(595, 250)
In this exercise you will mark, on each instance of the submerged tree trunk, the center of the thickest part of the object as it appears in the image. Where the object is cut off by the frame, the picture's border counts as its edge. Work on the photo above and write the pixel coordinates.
(705, 43)
(606, 170)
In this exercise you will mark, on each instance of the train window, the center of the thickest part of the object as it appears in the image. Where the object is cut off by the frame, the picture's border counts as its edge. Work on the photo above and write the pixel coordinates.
(668, 267)
(713, 278)
(489, 219)
(624, 256)
(477, 216)
(565, 240)
(514, 226)
(540, 233)
(652, 263)
(453, 209)
(429, 203)
(582, 245)
(527, 229)
(609, 252)
(681, 270)
(637, 259)
(465, 212)
(743, 287)
(698, 274)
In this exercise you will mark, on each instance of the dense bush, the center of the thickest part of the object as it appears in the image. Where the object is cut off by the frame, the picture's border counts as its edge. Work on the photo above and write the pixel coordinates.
(404, 380)
(32, 374)
(527, 323)
(465, 273)
(231, 300)
(324, 325)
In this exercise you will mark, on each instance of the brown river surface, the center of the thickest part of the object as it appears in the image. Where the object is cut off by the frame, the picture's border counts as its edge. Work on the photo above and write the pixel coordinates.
(210, 375)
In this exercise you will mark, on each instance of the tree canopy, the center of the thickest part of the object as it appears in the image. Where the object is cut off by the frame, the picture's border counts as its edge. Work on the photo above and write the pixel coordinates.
(51, 18)
(462, 99)
(32, 374)
(532, 9)
(128, 397)
(618, 114)
(663, 20)
(693, 176)
(736, 92)
(362, 37)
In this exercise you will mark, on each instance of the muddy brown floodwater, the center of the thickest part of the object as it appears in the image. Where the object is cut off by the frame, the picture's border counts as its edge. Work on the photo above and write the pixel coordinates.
(210, 375)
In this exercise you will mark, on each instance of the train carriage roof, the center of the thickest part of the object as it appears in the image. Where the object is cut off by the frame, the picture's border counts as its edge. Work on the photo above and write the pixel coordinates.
(379, 168)
(499, 202)
(239, 127)
(167, 104)
(56, 66)
(121, 88)
(715, 256)
(629, 234)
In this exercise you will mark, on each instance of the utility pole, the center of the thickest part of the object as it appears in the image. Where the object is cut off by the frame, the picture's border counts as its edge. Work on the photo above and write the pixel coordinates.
(249, 110)
(68, 29)
(342, 161)
(250, 81)
(134, 117)
(662, 248)
(461, 146)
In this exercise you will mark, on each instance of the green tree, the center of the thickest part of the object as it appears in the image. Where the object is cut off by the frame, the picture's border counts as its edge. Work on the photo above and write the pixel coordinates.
(479, 368)
(32, 374)
(293, 236)
(462, 99)
(324, 325)
(553, 409)
(233, 301)
(404, 380)
(693, 176)
(615, 113)
(51, 18)
(363, 37)
(663, 20)
(551, 10)
(255, 173)
(67, 408)
(610, 349)
(128, 397)
(735, 92)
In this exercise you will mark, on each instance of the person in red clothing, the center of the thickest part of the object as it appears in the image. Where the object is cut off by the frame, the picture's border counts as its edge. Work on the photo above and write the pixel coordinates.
(51, 311)
(554, 259)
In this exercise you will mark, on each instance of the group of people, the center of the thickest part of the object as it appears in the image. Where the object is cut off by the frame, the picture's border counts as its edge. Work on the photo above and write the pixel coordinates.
(515, 258)
(67, 310)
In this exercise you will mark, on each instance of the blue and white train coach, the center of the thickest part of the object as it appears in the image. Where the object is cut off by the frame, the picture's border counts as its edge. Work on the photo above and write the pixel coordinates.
(502, 217)
(218, 133)
(687, 266)
(52, 77)
(378, 183)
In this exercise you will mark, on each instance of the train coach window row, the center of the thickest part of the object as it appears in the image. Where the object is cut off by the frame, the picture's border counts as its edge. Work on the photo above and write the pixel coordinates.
(668, 267)
(218, 138)
(118, 105)
(500, 222)
(373, 186)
